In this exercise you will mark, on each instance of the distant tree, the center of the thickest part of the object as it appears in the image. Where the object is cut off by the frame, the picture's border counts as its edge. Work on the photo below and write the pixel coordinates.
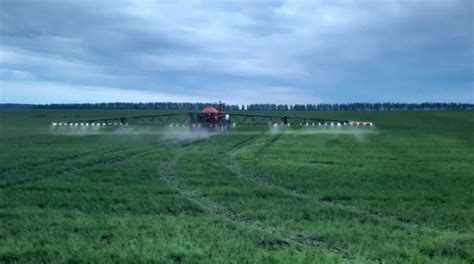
(265, 107)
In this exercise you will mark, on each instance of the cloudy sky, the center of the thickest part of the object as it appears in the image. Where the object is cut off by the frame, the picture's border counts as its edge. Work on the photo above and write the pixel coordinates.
(239, 52)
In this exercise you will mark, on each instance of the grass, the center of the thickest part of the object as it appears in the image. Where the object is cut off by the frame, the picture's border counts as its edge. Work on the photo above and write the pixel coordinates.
(399, 193)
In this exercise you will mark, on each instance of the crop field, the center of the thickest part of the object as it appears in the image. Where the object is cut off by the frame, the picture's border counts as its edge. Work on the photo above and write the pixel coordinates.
(402, 192)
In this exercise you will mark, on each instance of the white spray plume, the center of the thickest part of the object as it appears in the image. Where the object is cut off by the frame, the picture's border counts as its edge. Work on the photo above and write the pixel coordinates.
(169, 133)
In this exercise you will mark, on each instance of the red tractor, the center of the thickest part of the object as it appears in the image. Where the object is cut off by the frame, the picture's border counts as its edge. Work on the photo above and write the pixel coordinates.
(210, 117)
(213, 117)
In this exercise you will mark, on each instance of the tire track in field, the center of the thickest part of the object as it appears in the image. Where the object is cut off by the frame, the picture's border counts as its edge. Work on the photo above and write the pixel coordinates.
(24, 135)
(269, 143)
(53, 161)
(96, 164)
(171, 179)
(245, 141)
(236, 169)
(73, 157)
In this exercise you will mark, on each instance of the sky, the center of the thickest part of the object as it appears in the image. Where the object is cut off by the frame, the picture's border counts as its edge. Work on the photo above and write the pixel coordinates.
(239, 52)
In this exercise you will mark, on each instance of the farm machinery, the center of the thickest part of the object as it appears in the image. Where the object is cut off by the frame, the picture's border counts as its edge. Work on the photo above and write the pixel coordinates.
(213, 117)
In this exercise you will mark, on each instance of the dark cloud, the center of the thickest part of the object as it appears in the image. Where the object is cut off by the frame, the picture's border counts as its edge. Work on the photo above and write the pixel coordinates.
(299, 50)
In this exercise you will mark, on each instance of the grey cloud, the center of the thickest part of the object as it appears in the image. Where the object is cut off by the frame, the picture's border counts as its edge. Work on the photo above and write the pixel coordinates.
(177, 47)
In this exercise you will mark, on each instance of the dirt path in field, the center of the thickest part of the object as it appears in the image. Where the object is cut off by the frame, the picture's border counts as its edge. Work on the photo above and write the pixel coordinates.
(171, 179)
(236, 169)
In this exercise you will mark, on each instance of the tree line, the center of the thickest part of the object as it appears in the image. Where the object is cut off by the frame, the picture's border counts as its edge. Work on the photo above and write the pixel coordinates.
(363, 107)
(267, 107)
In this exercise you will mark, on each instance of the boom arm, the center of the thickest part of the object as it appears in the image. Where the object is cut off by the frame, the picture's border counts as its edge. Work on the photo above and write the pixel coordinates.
(188, 118)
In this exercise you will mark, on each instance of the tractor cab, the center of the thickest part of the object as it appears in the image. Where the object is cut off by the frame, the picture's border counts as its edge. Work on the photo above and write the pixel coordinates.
(211, 117)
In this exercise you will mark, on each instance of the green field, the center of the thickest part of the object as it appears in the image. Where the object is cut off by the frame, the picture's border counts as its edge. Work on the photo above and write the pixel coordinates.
(398, 193)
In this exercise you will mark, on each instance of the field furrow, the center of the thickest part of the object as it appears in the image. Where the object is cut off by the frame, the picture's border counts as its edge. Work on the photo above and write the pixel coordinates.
(170, 177)
(235, 167)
